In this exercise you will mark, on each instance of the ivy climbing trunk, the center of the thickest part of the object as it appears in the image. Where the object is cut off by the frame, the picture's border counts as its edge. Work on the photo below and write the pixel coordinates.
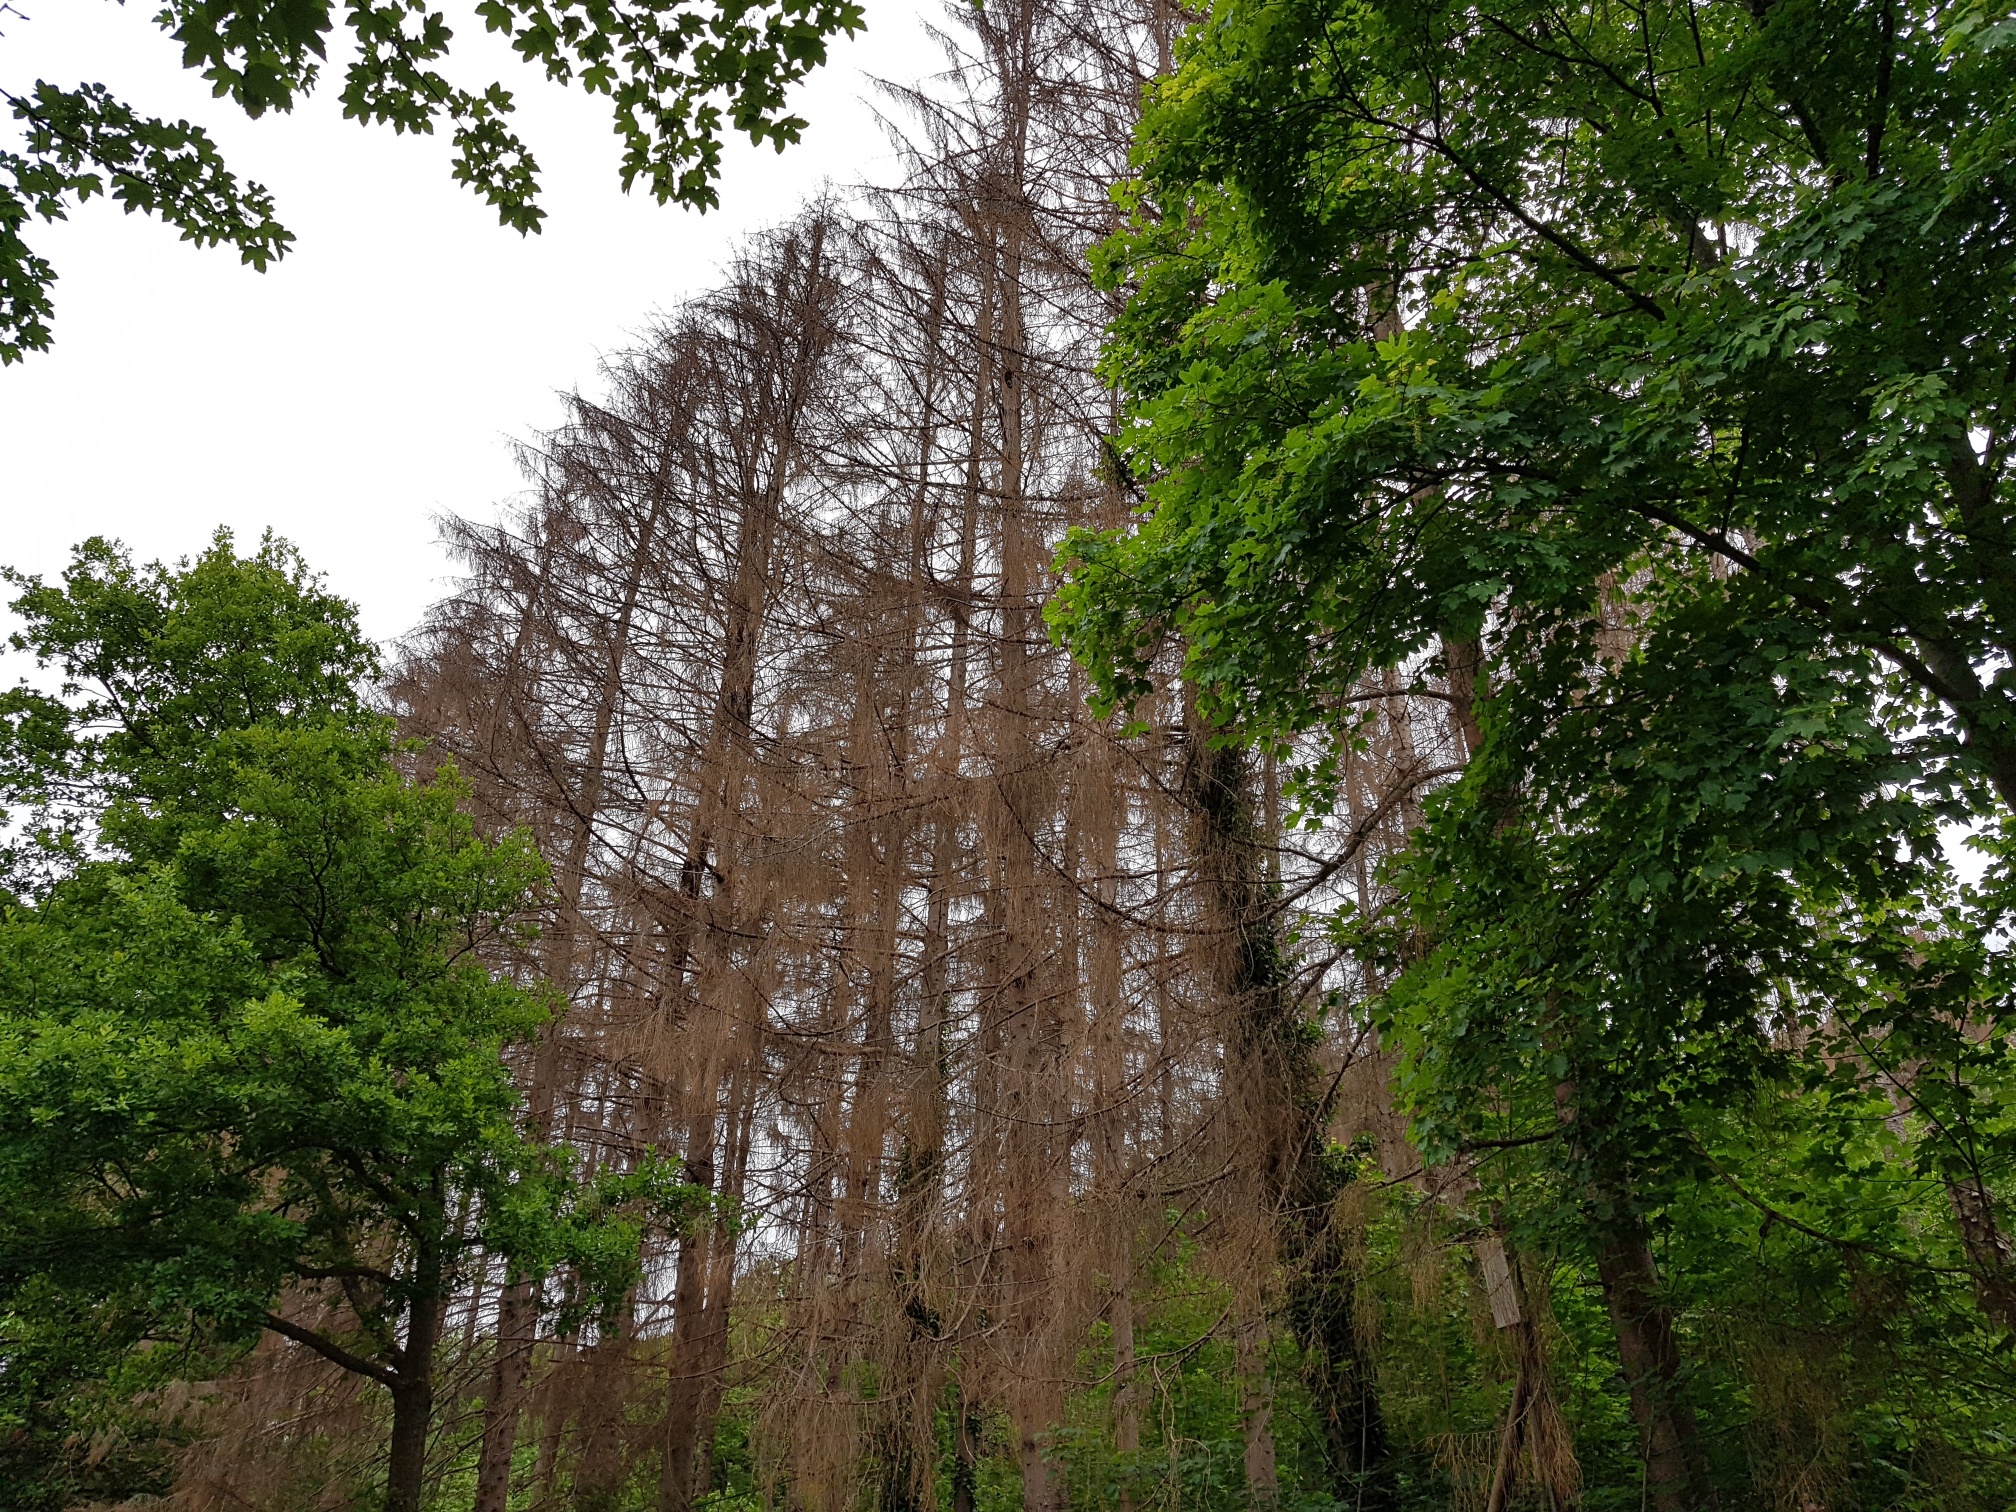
(1278, 1090)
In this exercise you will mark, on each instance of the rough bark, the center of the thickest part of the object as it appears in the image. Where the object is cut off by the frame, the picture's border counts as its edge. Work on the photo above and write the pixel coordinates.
(1675, 1462)
(1256, 1409)
(406, 1464)
(412, 1387)
(517, 1315)
(692, 1336)
(1989, 1253)
(1277, 1089)
(1463, 659)
(604, 1390)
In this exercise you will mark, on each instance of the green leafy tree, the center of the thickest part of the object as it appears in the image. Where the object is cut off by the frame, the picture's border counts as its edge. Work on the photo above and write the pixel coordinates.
(676, 75)
(253, 1031)
(1642, 375)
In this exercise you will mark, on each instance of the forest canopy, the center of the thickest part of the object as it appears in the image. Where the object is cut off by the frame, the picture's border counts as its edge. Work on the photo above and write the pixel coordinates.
(1287, 786)
(1642, 377)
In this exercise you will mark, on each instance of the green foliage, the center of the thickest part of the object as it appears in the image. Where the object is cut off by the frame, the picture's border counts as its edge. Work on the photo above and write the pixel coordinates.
(1845, 1378)
(87, 1412)
(253, 1027)
(82, 142)
(1189, 1399)
(675, 75)
(1667, 350)
(163, 670)
(1640, 302)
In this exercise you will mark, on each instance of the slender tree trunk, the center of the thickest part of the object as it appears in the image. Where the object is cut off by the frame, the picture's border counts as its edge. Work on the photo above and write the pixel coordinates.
(566, 1351)
(1276, 1091)
(1097, 815)
(1675, 1468)
(1126, 1401)
(413, 1392)
(1511, 1439)
(518, 1311)
(691, 1323)
(677, 1472)
(788, 337)
(605, 1388)
(713, 1355)
(517, 1315)
(1988, 1251)
(1256, 1408)
(906, 1431)
(965, 1455)
(1025, 1021)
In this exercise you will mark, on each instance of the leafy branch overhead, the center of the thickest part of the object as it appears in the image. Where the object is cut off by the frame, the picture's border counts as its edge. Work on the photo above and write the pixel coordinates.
(82, 142)
(677, 76)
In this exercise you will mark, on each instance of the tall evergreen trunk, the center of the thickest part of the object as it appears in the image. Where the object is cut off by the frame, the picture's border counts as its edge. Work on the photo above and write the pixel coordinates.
(712, 1362)
(604, 1374)
(581, 808)
(914, 1082)
(517, 1322)
(1126, 1398)
(1023, 1018)
(1098, 802)
(787, 328)
(1277, 1090)
(691, 1351)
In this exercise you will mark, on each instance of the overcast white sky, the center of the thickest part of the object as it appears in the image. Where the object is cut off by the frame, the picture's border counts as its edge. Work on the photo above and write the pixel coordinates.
(371, 380)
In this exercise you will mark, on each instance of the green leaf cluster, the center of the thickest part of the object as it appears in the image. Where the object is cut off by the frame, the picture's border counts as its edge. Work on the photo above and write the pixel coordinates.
(258, 1002)
(676, 76)
(1662, 354)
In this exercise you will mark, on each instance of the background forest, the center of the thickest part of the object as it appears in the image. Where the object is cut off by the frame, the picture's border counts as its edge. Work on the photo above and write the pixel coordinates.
(1245, 798)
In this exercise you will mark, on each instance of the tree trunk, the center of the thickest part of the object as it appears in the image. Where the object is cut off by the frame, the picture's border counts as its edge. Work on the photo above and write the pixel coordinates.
(605, 1389)
(964, 1454)
(406, 1473)
(712, 1363)
(517, 1313)
(1988, 1251)
(1464, 660)
(1511, 1439)
(413, 1402)
(1675, 1469)
(1024, 1016)
(1256, 1409)
(1043, 1488)
(1126, 1403)
(789, 327)
(1276, 1089)
(683, 1391)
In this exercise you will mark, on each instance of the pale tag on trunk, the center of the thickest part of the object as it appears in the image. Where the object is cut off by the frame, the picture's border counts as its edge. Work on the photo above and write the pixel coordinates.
(1498, 1287)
